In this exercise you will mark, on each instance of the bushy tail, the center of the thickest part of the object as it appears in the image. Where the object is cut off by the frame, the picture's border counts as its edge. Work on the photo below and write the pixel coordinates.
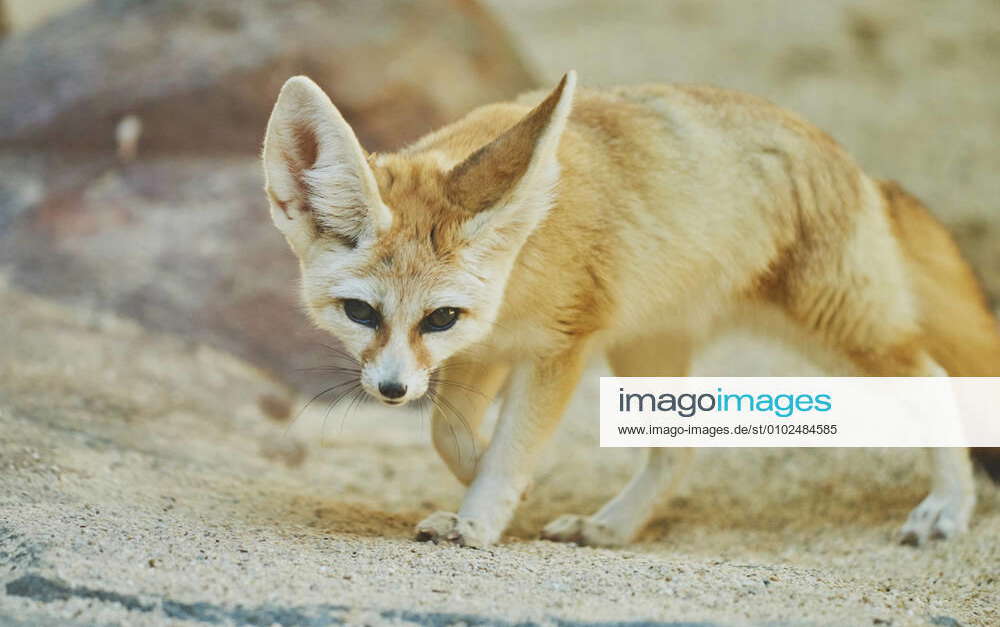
(960, 330)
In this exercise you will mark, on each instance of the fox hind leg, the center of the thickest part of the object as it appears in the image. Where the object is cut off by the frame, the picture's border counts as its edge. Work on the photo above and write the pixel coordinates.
(873, 309)
(624, 516)
(961, 333)
(947, 510)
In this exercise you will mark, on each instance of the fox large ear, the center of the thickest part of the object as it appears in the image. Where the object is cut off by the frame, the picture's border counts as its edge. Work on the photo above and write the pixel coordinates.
(319, 182)
(510, 182)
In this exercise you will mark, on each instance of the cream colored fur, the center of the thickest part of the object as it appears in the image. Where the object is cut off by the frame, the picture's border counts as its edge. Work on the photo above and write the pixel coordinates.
(638, 222)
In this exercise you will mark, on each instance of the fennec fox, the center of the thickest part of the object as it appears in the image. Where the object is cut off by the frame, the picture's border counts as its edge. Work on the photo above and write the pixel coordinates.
(638, 221)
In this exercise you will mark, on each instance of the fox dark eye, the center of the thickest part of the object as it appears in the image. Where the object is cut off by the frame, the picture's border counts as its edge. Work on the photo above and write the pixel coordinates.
(361, 312)
(441, 319)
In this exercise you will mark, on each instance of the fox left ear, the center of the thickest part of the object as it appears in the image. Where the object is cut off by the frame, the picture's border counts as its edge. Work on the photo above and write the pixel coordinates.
(319, 182)
(510, 183)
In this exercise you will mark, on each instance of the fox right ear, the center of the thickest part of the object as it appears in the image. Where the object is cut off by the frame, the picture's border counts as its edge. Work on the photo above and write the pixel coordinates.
(509, 184)
(319, 182)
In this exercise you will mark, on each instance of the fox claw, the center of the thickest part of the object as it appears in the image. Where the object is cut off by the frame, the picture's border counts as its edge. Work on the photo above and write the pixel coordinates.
(936, 518)
(582, 530)
(449, 527)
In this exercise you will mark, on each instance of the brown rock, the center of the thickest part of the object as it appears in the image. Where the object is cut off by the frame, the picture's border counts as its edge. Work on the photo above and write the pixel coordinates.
(202, 76)
(181, 244)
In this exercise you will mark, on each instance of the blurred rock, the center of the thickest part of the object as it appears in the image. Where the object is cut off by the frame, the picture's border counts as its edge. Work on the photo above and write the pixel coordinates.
(181, 244)
(202, 76)
(21, 186)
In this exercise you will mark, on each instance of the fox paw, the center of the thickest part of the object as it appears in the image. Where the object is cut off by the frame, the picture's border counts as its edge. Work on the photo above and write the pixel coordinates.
(584, 531)
(937, 518)
(449, 527)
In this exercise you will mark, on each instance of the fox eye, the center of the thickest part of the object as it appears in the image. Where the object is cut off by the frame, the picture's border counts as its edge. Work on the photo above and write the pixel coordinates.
(441, 319)
(361, 312)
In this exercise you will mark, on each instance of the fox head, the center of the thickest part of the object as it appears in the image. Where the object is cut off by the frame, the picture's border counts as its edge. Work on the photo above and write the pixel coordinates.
(405, 257)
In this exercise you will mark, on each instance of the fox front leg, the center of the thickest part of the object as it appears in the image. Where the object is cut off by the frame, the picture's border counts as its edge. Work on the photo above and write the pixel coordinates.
(463, 394)
(537, 394)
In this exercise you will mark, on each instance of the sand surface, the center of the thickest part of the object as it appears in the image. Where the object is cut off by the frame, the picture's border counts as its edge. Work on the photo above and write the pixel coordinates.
(142, 481)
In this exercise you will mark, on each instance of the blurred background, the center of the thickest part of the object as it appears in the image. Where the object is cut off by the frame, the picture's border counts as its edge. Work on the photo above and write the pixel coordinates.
(154, 359)
(129, 133)
(128, 129)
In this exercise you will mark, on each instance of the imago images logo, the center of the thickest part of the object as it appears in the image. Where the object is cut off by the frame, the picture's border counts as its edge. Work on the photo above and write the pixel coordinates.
(688, 404)
(800, 411)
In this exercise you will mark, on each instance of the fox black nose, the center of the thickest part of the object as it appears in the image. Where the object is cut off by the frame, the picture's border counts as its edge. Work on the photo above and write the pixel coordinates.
(392, 389)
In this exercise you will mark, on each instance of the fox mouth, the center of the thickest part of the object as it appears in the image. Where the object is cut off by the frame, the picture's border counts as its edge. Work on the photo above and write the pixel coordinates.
(394, 402)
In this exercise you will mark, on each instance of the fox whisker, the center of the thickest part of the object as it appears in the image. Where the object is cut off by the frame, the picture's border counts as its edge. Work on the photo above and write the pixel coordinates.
(331, 370)
(335, 402)
(357, 398)
(332, 388)
(448, 409)
(456, 384)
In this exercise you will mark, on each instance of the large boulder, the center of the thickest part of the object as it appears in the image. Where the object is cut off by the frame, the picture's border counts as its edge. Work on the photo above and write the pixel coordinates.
(183, 245)
(203, 76)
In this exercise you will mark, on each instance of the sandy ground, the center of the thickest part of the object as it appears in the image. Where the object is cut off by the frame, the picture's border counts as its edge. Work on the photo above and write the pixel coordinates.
(143, 479)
